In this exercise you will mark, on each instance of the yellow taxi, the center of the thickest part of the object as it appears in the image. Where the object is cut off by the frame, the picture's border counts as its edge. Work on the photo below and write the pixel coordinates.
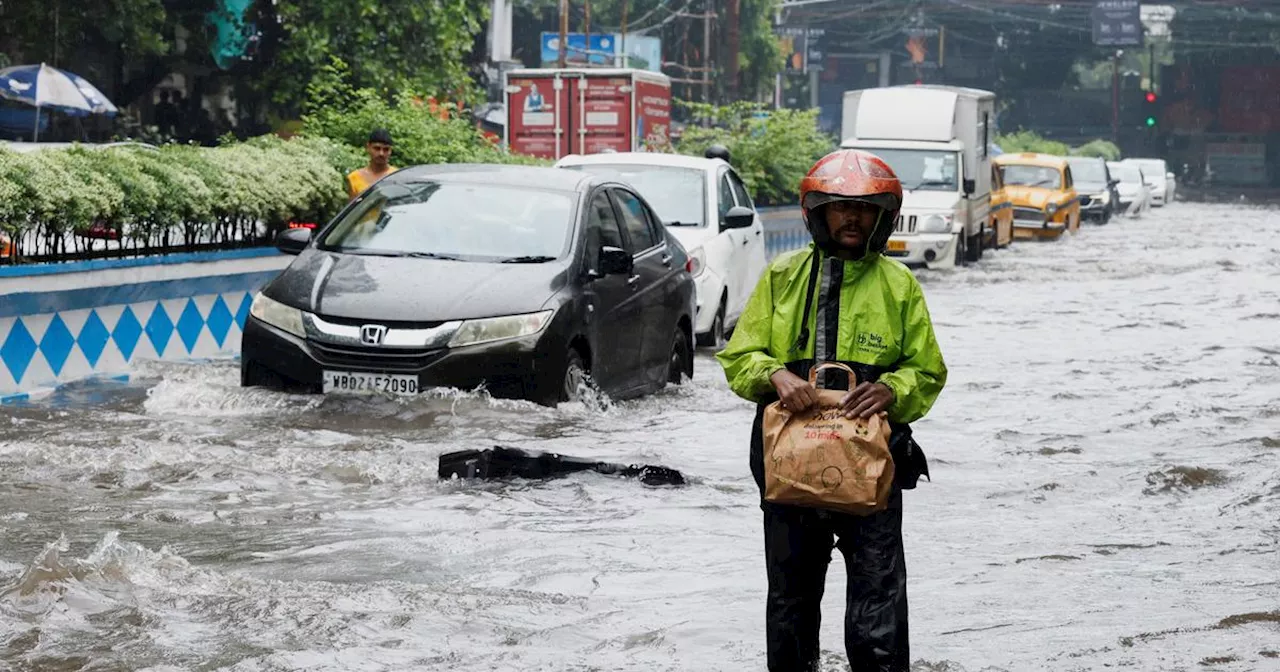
(1001, 224)
(1045, 202)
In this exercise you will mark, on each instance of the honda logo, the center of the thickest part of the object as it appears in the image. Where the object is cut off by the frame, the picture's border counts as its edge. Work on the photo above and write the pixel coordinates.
(372, 334)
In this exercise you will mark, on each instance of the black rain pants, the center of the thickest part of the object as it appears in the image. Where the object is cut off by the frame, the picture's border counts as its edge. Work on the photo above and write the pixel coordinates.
(798, 542)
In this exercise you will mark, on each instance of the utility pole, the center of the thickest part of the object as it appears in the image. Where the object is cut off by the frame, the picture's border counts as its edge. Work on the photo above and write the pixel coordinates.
(622, 48)
(564, 32)
(1115, 97)
(586, 30)
(731, 19)
(706, 51)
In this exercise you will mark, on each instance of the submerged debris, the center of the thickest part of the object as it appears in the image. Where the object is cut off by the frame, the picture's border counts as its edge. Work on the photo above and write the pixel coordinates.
(1183, 479)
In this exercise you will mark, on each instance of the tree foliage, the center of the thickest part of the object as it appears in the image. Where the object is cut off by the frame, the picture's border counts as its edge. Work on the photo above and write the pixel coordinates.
(391, 45)
(771, 149)
(338, 111)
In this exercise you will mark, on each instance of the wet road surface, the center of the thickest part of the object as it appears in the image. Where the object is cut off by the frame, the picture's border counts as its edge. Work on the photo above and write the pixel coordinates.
(1106, 493)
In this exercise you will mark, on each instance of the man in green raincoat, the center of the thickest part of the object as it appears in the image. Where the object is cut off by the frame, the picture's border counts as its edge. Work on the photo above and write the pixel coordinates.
(839, 300)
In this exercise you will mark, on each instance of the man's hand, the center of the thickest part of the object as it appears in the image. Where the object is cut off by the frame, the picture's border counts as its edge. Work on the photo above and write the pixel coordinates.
(866, 400)
(796, 392)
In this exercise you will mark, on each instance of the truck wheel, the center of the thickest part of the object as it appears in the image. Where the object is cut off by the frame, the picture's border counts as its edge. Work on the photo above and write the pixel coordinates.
(973, 248)
(960, 253)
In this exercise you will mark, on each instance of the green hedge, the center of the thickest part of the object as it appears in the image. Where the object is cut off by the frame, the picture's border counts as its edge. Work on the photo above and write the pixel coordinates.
(174, 195)
(1029, 141)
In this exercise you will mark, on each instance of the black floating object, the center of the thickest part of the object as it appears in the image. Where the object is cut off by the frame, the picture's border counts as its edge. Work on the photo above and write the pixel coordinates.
(501, 462)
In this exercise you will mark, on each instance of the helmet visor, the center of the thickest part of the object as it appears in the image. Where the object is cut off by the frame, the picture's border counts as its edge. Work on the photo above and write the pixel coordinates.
(816, 199)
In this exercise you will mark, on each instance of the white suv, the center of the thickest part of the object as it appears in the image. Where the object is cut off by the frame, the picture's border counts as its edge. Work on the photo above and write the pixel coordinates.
(706, 207)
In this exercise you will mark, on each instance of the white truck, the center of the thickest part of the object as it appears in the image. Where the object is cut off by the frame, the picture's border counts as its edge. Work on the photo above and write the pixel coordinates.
(937, 139)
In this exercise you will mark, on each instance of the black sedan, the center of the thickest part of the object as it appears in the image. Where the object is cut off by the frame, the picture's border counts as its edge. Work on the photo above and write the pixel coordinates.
(529, 282)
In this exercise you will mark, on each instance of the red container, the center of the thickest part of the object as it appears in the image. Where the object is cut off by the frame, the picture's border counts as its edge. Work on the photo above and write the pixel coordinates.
(554, 112)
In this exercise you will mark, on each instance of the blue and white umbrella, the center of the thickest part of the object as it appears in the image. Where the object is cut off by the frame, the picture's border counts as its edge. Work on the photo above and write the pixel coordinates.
(45, 86)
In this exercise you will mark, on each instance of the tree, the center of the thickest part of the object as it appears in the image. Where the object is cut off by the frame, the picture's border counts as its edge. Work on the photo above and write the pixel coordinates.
(391, 46)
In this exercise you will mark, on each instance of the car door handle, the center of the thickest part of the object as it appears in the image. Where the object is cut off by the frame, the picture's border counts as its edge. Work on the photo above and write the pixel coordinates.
(666, 260)
(633, 280)
(746, 240)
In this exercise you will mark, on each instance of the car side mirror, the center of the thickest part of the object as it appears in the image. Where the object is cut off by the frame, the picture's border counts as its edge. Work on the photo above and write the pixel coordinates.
(1113, 182)
(739, 217)
(615, 261)
(293, 241)
(970, 186)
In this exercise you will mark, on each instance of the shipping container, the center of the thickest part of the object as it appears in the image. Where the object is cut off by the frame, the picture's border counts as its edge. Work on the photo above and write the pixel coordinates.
(553, 112)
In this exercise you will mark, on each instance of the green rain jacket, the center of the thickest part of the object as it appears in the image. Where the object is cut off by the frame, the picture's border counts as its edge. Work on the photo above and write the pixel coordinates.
(868, 313)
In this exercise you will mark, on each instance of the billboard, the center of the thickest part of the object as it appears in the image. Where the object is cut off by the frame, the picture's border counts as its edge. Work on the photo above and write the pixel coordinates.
(643, 52)
(1117, 23)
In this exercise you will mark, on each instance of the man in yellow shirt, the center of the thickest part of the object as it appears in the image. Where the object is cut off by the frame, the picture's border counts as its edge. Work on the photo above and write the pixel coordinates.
(379, 148)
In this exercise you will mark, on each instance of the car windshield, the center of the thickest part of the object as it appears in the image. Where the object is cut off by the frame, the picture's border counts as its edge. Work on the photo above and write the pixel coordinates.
(1152, 170)
(921, 169)
(1089, 172)
(468, 222)
(678, 195)
(1032, 176)
(1126, 173)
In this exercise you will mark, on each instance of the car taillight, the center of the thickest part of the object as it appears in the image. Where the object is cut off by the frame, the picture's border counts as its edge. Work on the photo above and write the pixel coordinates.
(693, 266)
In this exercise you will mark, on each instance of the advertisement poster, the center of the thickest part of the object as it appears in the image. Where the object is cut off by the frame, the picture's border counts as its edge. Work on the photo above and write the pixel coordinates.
(606, 114)
(533, 107)
(643, 52)
(653, 117)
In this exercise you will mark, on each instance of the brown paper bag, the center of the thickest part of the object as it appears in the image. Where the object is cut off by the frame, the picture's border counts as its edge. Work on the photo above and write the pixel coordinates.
(820, 459)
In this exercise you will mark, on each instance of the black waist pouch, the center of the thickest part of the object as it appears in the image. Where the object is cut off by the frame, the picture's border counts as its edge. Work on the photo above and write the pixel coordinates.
(909, 462)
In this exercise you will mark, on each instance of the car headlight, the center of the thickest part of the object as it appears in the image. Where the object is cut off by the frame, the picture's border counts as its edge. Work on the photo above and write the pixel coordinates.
(697, 261)
(936, 224)
(1050, 209)
(1105, 197)
(278, 315)
(489, 329)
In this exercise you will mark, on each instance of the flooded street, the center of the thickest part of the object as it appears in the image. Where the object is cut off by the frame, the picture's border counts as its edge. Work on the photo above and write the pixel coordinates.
(1105, 494)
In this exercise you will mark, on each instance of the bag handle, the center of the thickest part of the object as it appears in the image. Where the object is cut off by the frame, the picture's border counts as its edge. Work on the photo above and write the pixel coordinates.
(802, 340)
(813, 373)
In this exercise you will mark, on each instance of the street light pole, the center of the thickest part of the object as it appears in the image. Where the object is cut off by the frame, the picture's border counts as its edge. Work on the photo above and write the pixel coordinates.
(564, 32)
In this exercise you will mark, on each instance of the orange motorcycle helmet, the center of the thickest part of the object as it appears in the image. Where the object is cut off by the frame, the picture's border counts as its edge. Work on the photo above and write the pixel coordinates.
(851, 175)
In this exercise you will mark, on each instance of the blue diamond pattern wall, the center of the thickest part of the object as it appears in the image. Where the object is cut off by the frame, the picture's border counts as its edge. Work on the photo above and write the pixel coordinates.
(46, 349)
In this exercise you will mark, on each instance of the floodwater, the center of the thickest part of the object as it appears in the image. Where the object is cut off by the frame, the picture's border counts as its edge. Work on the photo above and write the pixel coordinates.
(1106, 494)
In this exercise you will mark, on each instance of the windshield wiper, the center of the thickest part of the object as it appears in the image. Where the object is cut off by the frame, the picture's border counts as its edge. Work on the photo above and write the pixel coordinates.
(528, 259)
(431, 255)
(931, 183)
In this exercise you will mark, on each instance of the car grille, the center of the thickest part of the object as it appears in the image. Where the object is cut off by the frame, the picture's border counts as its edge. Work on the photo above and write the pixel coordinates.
(1028, 215)
(383, 359)
(390, 324)
(905, 224)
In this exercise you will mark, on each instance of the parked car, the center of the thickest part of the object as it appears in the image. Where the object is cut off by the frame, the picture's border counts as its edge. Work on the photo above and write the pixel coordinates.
(1093, 181)
(1135, 196)
(1158, 178)
(526, 280)
(1000, 228)
(705, 205)
(1045, 201)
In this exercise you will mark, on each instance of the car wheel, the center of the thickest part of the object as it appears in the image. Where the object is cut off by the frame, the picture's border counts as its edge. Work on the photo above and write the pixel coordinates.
(960, 252)
(576, 377)
(253, 374)
(716, 338)
(678, 363)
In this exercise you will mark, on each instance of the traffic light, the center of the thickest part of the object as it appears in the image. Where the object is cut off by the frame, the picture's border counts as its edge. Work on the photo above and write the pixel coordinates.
(1150, 108)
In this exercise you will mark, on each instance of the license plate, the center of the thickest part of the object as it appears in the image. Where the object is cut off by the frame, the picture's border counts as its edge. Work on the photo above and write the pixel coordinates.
(360, 382)
(897, 246)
